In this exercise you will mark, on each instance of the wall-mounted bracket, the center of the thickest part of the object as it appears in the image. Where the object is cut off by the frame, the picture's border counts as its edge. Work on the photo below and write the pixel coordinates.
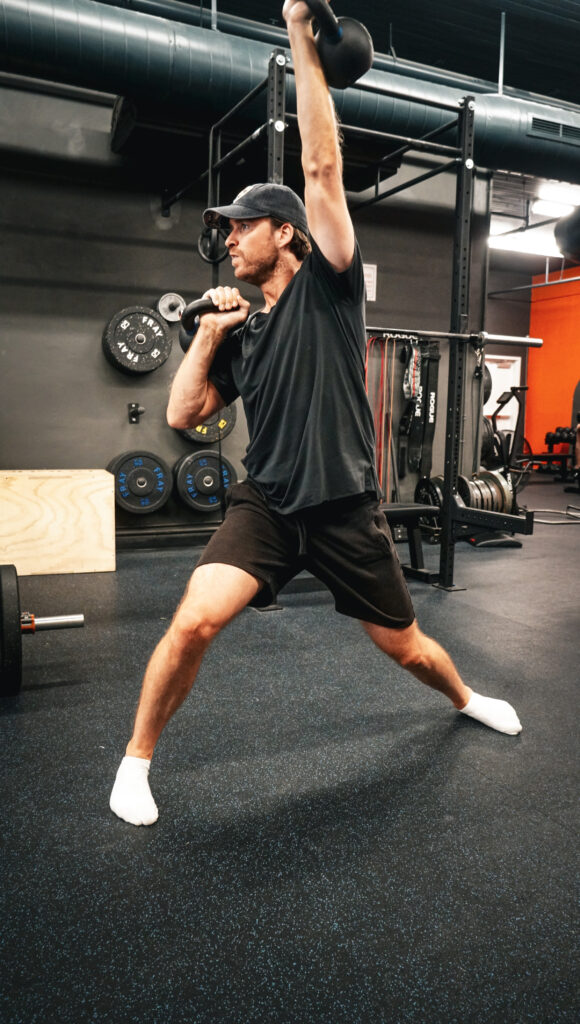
(135, 411)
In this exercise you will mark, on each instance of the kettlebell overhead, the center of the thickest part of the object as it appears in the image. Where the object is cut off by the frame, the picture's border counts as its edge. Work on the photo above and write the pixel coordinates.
(344, 45)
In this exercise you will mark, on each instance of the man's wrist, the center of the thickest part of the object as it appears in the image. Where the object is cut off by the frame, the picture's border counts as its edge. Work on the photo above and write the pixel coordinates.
(298, 16)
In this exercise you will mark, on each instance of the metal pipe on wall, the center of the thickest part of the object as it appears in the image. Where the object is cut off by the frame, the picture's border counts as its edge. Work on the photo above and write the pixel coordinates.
(169, 64)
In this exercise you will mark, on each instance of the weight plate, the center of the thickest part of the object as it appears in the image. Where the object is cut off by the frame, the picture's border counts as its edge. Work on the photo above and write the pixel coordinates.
(488, 494)
(505, 490)
(10, 633)
(495, 491)
(464, 490)
(213, 429)
(495, 488)
(171, 306)
(474, 495)
(486, 441)
(136, 340)
(429, 491)
(202, 478)
(142, 482)
(487, 383)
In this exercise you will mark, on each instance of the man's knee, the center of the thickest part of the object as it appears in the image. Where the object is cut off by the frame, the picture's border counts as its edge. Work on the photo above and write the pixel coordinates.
(411, 657)
(405, 646)
(194, 627)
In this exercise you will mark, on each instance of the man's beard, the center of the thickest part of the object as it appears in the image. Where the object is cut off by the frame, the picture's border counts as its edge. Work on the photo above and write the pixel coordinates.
(258, 275)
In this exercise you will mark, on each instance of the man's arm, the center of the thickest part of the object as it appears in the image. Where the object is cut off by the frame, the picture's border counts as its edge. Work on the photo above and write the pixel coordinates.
(193, 397)
(325, 201)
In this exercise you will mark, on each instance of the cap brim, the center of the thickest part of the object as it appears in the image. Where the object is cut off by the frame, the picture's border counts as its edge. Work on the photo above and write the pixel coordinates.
(216, 216)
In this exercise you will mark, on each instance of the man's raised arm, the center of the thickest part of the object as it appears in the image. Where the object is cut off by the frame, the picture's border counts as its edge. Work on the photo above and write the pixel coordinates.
(328, 217)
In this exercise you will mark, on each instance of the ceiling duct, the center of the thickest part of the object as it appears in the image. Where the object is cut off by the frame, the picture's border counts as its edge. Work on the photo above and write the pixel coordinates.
(204, 73)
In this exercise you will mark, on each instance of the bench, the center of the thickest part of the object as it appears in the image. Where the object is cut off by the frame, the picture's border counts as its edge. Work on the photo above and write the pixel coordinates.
(409, 516)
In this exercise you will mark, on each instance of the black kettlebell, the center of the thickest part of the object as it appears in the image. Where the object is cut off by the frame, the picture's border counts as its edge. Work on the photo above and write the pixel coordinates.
(344, 45)
(190, 320)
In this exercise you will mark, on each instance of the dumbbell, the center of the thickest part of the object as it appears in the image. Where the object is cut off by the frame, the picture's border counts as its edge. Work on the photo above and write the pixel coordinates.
(344, 45)
(564, 435)
(13, 624)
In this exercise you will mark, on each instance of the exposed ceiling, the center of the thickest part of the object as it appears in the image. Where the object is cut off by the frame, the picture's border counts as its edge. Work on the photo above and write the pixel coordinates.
(542, 38)
(541, 54)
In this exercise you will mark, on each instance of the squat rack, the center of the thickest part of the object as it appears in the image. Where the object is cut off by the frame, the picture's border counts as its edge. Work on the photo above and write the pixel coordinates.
(454, 513)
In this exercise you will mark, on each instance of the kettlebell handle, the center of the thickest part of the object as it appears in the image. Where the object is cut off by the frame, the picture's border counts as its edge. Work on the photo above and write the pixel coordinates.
(195, 309)
(328, 23)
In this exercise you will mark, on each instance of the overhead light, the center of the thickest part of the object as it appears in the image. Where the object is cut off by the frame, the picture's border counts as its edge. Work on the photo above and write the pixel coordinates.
(537, 242)
(559, 192)
(547, 208)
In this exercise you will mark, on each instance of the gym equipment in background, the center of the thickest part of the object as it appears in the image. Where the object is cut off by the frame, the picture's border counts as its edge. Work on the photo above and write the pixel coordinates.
(13, 624)
(201, 480)
(215, 428)
(136, 340)
(507, 450)
(211, 244)
(142, 481)
(171, 306)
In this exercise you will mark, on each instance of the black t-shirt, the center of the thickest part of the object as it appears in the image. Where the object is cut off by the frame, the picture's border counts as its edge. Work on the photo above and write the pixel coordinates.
(300, 372)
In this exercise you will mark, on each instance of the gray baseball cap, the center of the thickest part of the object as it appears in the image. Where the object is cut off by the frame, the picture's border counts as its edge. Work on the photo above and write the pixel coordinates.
(263, 200)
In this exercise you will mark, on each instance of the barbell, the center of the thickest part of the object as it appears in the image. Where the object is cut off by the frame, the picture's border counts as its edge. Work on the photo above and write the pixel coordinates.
(344, 45)
(13, 624)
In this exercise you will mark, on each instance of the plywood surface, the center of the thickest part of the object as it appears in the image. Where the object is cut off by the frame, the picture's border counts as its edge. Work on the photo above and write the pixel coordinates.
(57, 521)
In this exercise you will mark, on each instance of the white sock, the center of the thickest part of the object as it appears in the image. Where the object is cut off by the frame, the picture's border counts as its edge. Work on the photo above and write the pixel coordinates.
(498, 714)
(131, 797)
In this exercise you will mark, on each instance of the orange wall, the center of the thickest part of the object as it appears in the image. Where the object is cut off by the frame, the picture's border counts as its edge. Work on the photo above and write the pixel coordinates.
(554, 369)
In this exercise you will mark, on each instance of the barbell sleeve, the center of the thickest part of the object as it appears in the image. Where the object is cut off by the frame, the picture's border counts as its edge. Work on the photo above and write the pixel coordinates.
(32, 624)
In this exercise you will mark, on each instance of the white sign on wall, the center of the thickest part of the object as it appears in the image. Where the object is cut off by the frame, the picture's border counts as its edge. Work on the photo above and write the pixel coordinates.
(505, 372)
(370, 272)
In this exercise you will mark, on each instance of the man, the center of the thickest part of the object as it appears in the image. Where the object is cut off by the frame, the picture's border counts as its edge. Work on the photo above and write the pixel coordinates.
(311, 498)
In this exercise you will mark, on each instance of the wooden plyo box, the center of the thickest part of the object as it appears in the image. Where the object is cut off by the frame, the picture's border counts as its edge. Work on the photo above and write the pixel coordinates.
(57, 521)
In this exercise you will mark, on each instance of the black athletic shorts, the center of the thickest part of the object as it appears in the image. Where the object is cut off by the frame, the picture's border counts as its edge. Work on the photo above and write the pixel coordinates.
(347, 544)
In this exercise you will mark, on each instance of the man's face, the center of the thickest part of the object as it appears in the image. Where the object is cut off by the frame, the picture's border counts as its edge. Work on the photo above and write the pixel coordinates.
(253, 249)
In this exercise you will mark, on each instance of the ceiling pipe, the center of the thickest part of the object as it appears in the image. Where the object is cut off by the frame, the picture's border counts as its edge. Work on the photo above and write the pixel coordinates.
(204, 73)
(231, 24)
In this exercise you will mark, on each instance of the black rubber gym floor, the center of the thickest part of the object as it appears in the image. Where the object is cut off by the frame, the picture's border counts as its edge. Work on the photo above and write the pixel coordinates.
(336, 844)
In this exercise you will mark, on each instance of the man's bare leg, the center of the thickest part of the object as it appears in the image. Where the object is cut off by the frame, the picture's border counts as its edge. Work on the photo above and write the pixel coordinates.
(215, 595)
(430, 663)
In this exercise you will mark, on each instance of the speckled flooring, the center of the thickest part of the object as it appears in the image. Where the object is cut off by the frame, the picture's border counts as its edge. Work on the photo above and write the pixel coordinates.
(336, 845)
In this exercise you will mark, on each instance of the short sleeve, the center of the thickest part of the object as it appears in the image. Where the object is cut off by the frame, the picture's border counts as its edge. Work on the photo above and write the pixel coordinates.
(348, 286)
(220, 372)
